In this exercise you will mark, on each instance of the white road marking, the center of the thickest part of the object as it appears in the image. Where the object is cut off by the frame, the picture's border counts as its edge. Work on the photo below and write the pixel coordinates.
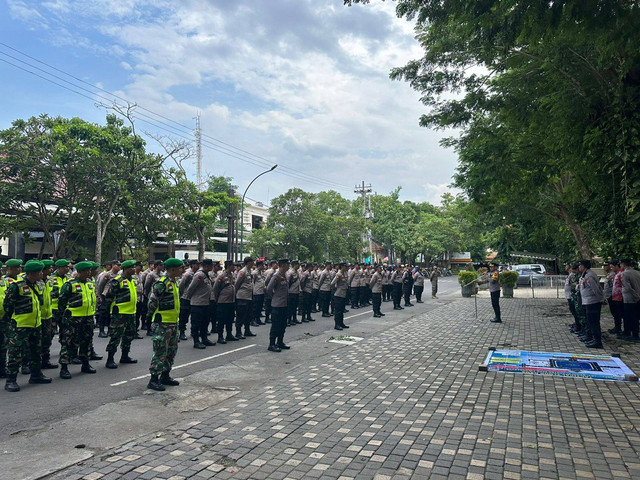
(186, 364)
(370, 312)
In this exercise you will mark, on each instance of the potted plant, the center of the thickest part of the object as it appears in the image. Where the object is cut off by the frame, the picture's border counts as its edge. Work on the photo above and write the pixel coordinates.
(465, 278)
(508, 280)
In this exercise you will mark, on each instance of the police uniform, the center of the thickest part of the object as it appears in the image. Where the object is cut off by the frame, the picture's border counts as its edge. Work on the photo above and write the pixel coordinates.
(185, 306)
(418, 285)
(164, 312)
(293, 280)
(258, 293)
(306, 285)
(121, 301)
(198, 295)
(278, 290)
(376, 293)
(396, 282)
(324, 291)
(225, 297)
(244, 301)
(340, 285)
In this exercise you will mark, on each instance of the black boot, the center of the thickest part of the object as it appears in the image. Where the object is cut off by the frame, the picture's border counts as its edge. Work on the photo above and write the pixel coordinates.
(198, 344)
(221, 340)
(3, 371)
(47, 365)
(111, 363)
(165, 379)
(87, 368)
(154, 384)
(183, 335)
(337, 327)
(94, 355)
(38, 377)
(208, 343)
(11, 385)
(64, 372)
(239, 335)
(125, 358)
(25, 370)
(248, 333)
(272, 348)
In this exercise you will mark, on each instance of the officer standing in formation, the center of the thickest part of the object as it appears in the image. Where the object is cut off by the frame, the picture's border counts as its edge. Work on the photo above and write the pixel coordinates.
(340, 284)
(278, 290)
(434, 281)
(244, 299)
(418, 284)
(376, 292)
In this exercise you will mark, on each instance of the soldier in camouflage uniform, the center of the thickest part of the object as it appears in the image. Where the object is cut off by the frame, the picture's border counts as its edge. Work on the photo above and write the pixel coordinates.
(22, 304)
(48, 323)
(77, 302)
(164, 312)
(121, 300)
(581, 318)
(13, 269)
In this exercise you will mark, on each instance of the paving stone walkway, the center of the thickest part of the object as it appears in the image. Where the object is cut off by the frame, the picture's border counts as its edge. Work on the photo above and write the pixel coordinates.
(410, 403)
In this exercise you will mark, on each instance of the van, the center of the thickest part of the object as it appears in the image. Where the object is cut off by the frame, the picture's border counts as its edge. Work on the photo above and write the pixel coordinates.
(536, 267)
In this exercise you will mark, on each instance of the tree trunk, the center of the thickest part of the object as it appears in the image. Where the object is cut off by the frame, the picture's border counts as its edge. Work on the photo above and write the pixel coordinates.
(582, 241)
(98, 251)
(201, 243)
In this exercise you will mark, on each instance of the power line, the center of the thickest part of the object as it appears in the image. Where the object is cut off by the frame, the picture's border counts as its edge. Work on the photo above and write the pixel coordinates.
(260, 160)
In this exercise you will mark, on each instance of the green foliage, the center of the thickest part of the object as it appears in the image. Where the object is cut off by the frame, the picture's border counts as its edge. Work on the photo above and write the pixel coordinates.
(508, 278)
(466, 276)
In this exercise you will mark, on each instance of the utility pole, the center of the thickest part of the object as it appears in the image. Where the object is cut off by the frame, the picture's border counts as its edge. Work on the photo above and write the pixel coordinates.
(364, 191)
(198, 135)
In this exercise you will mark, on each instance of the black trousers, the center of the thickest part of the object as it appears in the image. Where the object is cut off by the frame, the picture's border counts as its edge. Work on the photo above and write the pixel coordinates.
(307, 298)
(631, 314)
(314, 299)
(104, 318)
(355, 296)
(377, 302)
(417, 291)
(213, 313)
(267, 308)
(292, 308)
(397, 293)
(617, 311)
(224, 314)
(243, 315)
(572, 309)
(141, 312)
(338, 308)
(592, 313)
(278, 325)
(406, 290)
(185, 311)
(362, 292)
(324, 298)
(199, 322)
(258, 302)
(495, 303)
(386, 292)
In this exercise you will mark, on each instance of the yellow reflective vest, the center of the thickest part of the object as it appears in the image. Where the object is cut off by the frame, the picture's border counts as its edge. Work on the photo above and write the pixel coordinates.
(45, 291)
(168, 298)
(82, 301)
(55, 283)
(27, 313)
(125, 296)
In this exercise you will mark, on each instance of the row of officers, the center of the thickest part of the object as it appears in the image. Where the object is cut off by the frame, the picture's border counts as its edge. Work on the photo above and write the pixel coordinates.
(42, 297)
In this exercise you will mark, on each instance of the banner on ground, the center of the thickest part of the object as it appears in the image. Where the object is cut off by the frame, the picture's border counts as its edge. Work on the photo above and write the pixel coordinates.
(600, 367)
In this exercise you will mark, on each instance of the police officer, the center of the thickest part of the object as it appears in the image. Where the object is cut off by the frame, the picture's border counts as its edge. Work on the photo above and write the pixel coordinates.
(278, 290)
(258, 293)
(376, 291)
(631, 299)
(22, 304)
(164, 312)
(198, 295)
(418, 285)
(185, 306)
(494, 290)
(324, 289)
(340, 285)
(407, 286)
(77, 302)
(306, 285)
(353, 279)
(396, 282)
(434, 281)
(293, 280)
(273, 267)
(592, 298)
(141, 307)
(121, 301)
(244, 299)
(225, 296)
(102, 285)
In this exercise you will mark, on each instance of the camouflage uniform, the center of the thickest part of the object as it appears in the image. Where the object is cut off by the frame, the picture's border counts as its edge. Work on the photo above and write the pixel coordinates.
(581, 317)
(164, 309)
(78, 329)
(48, 326)
(123, 324)
(4, 327)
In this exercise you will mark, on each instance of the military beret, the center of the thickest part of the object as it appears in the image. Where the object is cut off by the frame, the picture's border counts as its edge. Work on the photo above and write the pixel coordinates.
(128, 264)
(173, 263)
(95, 265)
(33, 266)
(47, 263)
(14, 262)
(62, 263)
(84, 265)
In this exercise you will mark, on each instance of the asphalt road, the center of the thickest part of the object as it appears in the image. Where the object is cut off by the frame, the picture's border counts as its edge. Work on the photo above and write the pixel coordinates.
(38, 405)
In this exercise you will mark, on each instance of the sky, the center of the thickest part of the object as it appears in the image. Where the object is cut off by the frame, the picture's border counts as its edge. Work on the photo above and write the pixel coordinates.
(299, 83)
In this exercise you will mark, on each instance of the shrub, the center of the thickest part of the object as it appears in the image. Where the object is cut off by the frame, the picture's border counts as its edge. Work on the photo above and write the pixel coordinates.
(465, 276)
(508, 278)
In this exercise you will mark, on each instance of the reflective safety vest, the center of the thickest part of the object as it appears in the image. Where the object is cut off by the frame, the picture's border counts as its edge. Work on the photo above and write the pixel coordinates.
(168, 301)
(55, 282)
(27, 313)
(82, 302)
(126, 296)
(4, 286)
(45, 291)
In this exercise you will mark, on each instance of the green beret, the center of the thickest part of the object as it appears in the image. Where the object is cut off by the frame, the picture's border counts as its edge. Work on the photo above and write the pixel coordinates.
(62, 263)
(94, 265)
(173, 262)
(80, 266)
(33, 266)
(14, 262)
(47, 263)
(128, 264)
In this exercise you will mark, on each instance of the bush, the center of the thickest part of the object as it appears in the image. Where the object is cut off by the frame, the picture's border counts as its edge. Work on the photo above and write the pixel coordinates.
(466, 276)
(508, 278)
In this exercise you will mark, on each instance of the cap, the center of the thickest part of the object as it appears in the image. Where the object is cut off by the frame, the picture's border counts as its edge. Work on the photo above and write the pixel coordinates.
(295, 262)
(63, 262)
(283, 261)
(228, 263)
(128, 264)
(14, 262)
(47, 263)
(173, 263)
(193, 262)
(33, 266)
(207, 261)
(81, 266)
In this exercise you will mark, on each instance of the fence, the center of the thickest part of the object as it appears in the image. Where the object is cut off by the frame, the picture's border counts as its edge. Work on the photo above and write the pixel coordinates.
(539, 286)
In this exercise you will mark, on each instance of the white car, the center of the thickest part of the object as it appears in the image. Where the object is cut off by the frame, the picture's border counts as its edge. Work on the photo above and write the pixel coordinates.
(536, 267)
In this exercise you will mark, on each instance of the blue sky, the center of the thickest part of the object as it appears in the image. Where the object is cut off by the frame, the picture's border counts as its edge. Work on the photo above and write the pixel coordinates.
(301, 83)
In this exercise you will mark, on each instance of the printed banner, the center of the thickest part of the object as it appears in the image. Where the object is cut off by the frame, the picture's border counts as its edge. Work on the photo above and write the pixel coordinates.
(600, 367)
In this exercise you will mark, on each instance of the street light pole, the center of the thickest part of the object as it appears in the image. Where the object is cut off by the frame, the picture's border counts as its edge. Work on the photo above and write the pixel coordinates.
(242, 210)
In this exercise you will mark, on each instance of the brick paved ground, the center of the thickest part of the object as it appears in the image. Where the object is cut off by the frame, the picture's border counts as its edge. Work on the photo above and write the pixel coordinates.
(410, 403)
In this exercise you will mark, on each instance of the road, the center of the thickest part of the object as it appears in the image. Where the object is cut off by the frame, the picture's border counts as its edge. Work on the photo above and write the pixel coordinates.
(36, 406)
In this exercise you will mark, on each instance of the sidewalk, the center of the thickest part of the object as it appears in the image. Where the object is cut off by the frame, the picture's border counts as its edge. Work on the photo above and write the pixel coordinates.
(410, 403)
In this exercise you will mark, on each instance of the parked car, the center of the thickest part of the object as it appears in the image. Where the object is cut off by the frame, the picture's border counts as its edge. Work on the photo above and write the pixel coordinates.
(527, 277)
(536, 267)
